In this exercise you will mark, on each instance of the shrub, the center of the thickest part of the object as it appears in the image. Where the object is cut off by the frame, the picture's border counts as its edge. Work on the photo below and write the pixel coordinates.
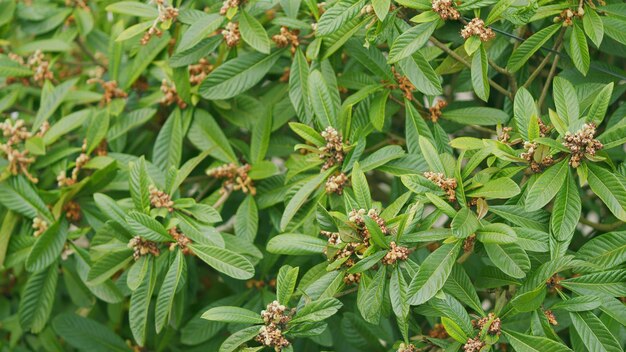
(416, 175)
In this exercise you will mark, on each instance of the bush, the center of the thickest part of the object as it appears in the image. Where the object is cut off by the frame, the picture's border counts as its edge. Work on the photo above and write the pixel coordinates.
(300, 176)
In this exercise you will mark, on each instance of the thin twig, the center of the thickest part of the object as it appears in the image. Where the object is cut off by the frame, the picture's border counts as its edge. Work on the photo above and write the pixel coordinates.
(545, 61)
(507, 73)
(87, 52)
(460, 59)
(601, 227)
(546, 87)
(223, 197)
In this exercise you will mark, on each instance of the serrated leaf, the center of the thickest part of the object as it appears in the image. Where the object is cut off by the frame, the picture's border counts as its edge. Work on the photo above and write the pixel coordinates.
(232, 315)
(237, 75)
(510, 258)
(87, 334)
(295, 244)
(286, 283)
(579, 50)
(37, 299)
(609, 189)
(253, 33)
(410, 41)
(165, 299)
(546, 186)
(566, 210)
(433, 273)
(479, 72)
(48, 247)
(464, 223)
(528, 343)
(521, 55)
(247, 219)
(225, 261)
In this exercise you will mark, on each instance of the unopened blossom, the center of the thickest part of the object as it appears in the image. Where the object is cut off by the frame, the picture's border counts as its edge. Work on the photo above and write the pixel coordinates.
(446, 9)
(582, 142)
(477, 27)
(447, 184)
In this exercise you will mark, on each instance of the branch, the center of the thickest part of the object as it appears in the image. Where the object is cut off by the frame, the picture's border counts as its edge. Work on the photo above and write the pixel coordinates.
(544, 92)
(545, 61)
(460, 59)
(601, 227)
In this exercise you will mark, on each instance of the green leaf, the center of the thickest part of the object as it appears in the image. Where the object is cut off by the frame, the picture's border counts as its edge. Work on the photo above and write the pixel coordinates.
(338, 15)
(600, 104)
(317, 310)
(370, 296)
(566, 100)
(480, 71)
(48, 247)
(410, 41)
(139, 307)
(307, 133)
(499, 188)
(296, 244)
(578, 304)
(433, 273)
(134, 30)
(286, 283)
(18, 195)
(454, 330)
(167, 150)
(566, 210)
(298, 200)
(521, 55)
(87, 334)
(108, 265)
(133, 8)
(464, 223)
(377, 110)
(378, 237)
(398, 290)
(528, 343)
(232, 315)
(225, 261)
(496, 233)
(419, 71)
(592, 23)
(497, 10)
(138, 184)
(137, 272)
(482, 116)
(321, 101)
(206, 134)
(361, 188)
(524, 108)
(607, 250)
(299, 86)
(237, 75)
(165, 300)
(611, 283)
(247, 219)
(36, 301)
(253, 33)
(381, 8)
(147, 227)
(51, 101)
(546, 186)
(609, 189)
(431, 155)
(594, 333)
(579, 50)
(198, 31)
(260, 138)
(460, 286)
(235, 340)
(510, 258)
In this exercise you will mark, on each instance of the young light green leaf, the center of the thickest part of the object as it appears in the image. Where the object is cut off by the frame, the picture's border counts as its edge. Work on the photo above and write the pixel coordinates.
(253, 33)
(546, 186)
(410, 41)
(521, 55)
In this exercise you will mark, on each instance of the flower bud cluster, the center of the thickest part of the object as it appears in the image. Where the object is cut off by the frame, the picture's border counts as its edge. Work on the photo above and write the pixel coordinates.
(142, 247)
(199, 71)
(182, 241)
(111, 90)
(529, 155)
(40, 226)
(567, 16)
(447, 184)
(13, 148)
(551, 317)
(395, 253)
(80, 162)
(435, 110)
(236, 177)
(167, 13)
(477, 27)
(231, 34)
(332, 152)
(37, 63)
(227, 5)
(160, 199)
(581, 143)
(404, 84)
(473, 345)
(336, 183)
(438, 332)
(287, 37)
(275, 317)
(72, 211)
(445, 9)
(170, 95)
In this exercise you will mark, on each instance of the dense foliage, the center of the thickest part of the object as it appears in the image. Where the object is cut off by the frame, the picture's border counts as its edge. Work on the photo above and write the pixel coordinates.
(293, 175)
